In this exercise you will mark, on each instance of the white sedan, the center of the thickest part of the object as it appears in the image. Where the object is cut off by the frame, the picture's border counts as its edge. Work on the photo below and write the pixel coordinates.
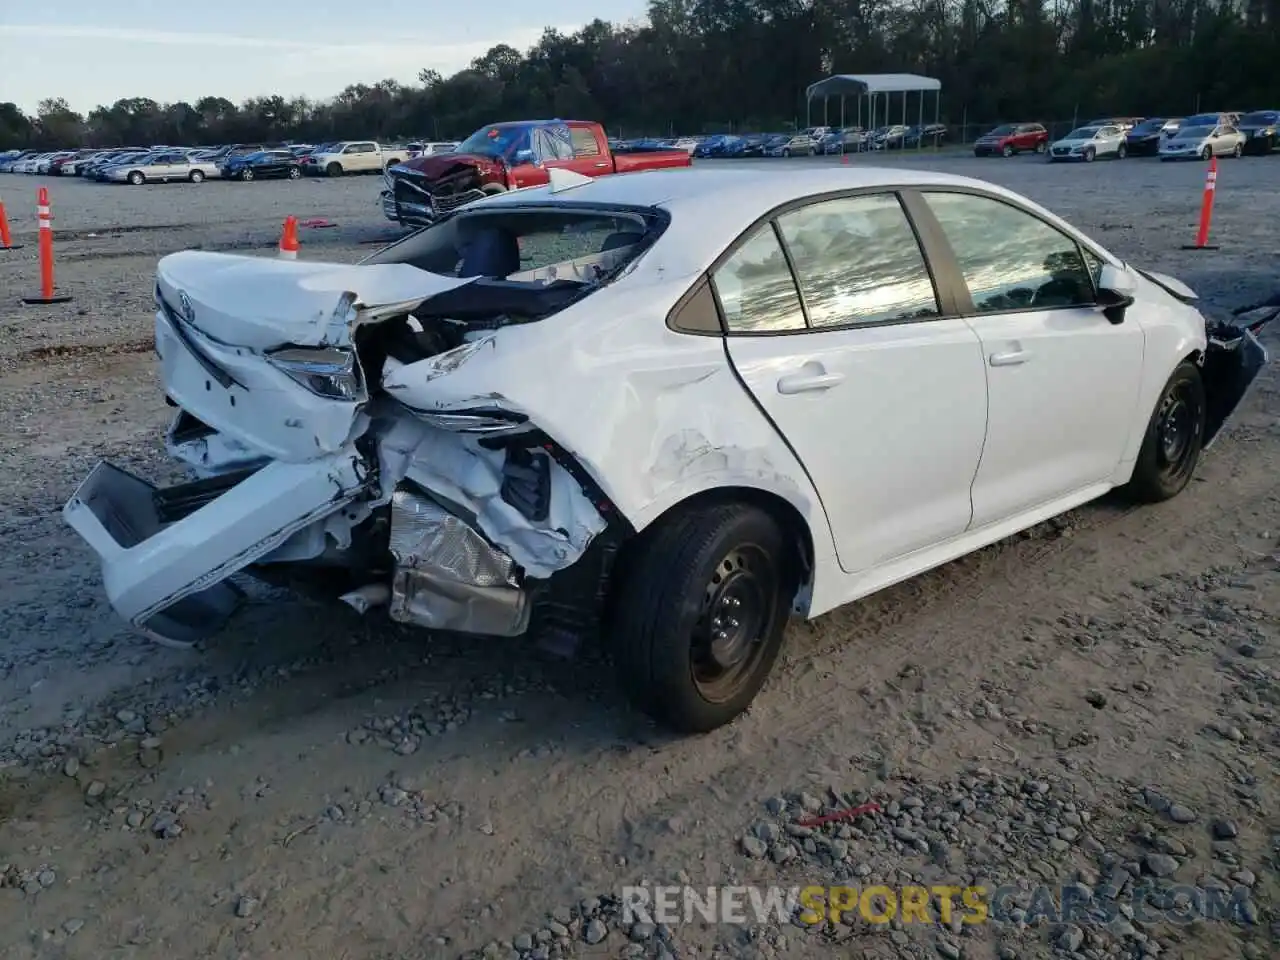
(666, 409)
(1089, 143)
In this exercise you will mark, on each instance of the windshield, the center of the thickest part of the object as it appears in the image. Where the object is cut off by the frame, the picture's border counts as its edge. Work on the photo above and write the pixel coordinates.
(1261, 117)
(1194, 133)
(1201, 120)
(1002, 131)
(1083, 133)
(496, 141)
(1148, 126)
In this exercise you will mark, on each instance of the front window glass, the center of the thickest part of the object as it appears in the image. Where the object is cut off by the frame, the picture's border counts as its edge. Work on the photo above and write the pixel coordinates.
(1010, 259)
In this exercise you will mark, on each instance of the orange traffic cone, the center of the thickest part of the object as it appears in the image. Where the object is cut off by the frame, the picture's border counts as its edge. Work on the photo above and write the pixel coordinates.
(6, 241)
(289, 239)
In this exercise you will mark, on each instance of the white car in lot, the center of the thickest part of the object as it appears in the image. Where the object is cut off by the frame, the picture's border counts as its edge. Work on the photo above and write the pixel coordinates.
(664, 409)
(1087, 144)
(1203, 142)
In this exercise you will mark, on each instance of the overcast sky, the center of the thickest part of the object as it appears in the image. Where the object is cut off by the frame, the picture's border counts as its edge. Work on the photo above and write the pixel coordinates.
(94, 52)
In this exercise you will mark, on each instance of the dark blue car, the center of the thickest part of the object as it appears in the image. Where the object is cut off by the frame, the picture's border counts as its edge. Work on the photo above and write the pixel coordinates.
(264, 165)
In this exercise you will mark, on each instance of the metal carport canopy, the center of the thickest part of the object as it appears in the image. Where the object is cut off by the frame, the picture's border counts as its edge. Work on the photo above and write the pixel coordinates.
(864, 84)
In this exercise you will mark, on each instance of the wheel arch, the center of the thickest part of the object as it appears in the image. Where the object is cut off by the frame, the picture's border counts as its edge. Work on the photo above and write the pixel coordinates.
(785, 513)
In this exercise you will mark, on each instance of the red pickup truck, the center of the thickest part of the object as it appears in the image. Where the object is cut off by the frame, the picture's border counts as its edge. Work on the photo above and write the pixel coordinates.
(507, 156)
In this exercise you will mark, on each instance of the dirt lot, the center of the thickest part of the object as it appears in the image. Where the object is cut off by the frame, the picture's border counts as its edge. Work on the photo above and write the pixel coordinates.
(1091, 703)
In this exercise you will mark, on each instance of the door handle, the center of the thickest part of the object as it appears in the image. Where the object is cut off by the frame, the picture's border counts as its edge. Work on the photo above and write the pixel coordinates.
(1011, 358)
(808, 382)
(602, 164)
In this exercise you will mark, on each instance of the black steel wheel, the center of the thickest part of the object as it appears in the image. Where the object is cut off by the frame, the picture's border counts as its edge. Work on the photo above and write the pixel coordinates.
(737, 607)
(1175, 435)
(700, 603)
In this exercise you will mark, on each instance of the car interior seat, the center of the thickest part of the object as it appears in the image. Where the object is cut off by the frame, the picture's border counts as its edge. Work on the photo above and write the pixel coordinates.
(490, 253)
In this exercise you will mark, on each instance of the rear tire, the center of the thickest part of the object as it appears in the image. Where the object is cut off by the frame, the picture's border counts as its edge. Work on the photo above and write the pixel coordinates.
(294, 173)
(1174, 438)
(699, 614)
(1041, 147)
(1237, 151)
(1206, 153)
(1121, 152)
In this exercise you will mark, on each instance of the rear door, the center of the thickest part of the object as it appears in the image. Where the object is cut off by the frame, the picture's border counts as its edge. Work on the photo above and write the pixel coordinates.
(591, 156)
(1062, 379)
(834, 325)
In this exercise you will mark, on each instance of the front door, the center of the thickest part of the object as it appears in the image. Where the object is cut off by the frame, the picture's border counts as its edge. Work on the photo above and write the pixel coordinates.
(1062, 379)
(882, 400)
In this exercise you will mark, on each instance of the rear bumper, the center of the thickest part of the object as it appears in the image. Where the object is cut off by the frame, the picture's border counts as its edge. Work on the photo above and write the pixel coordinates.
(166, 578)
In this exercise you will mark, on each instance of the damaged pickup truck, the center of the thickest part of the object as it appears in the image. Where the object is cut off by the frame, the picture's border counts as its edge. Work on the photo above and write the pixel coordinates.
(663, 411)
(507, 156)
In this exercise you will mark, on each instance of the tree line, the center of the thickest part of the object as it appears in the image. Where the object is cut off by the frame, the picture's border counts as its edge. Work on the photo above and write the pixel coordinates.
(695, 66)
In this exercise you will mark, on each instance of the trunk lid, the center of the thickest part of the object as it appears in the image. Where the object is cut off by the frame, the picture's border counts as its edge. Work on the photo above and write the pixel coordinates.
(261, 303)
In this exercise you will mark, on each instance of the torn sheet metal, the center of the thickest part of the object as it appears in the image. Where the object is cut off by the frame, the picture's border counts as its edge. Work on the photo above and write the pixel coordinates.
(455, 468)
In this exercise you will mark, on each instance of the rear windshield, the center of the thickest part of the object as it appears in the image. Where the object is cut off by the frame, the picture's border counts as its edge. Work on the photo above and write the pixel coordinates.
(586, 245)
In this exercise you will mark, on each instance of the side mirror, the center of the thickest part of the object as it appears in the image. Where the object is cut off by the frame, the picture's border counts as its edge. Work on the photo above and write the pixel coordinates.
(1117, 289)
(524, 156)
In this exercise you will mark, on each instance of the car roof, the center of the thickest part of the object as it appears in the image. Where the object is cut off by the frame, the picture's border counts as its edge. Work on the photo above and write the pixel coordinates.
(711, 207)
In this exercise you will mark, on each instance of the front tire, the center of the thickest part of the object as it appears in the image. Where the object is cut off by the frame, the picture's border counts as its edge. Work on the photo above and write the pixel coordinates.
(699, 615)
(246, 174)
(1089, 154)
(137, 179)
(294, 173)
(196, 176)
(1008, 151)
(333, 170)
(1174, 438)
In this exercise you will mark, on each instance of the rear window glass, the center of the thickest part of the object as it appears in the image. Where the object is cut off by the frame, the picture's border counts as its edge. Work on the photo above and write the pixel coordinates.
(536, 246)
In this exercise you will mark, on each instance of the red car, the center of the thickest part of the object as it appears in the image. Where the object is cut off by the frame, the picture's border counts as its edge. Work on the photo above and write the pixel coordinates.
(507, 156)
(1010, 138)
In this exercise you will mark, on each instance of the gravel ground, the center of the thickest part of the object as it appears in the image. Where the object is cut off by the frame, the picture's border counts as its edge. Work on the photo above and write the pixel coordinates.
(1091, 703)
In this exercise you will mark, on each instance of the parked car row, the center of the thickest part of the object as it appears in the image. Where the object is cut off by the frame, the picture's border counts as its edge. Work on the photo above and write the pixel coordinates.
(239, 161)
(806, 143)
(1197, 137)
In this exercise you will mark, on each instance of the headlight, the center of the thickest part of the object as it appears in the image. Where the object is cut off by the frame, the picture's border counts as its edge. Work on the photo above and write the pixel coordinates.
(327, 372)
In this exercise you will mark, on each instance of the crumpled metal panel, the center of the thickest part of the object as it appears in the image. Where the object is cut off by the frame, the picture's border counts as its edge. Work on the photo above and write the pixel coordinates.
(425, 598)
(424, 534)
(448, 577)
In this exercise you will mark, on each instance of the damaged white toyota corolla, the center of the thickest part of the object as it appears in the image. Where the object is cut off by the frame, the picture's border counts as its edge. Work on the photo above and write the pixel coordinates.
(663, 409)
